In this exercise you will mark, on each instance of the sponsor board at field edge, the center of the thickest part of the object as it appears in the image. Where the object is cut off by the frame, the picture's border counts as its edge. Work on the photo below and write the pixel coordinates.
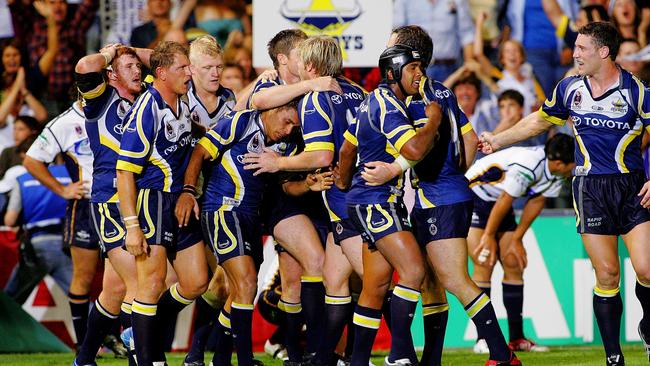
(362, 27)
(557, 307)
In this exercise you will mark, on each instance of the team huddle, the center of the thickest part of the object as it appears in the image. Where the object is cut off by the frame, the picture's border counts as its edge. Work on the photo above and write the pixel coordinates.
(187, 175)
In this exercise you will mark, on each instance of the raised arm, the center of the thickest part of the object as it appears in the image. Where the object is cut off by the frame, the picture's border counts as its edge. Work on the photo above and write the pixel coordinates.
(529, 126)
(282, 94)
(47, 60)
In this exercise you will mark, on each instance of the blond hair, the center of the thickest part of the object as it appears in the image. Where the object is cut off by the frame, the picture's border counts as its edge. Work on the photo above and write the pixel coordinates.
(205, 45)
(323, 54)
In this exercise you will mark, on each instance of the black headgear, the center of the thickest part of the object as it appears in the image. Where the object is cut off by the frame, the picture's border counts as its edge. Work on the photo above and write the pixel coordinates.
(394, 59)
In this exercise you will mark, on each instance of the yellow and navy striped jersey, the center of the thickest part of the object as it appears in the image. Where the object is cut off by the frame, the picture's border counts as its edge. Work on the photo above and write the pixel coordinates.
(383, 127)
(609, 128)
(519, 171)
(325, 116)
(199, 113)
(104, 110)
(439, 178)
(229, 185)
(156, 143)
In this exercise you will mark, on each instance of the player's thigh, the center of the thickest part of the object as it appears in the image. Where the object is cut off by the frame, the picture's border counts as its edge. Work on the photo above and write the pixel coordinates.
(336, 270)
(638, 245)
(603, 253)
(352, 248)
(299, 237)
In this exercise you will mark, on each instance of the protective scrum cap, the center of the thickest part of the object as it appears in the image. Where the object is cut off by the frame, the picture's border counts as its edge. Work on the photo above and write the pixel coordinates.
(395, 58)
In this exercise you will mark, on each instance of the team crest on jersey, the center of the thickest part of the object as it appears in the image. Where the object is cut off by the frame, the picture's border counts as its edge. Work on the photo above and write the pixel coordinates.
(339, 228)
(577, 99)
(194, 117)
(170, 132)
(433, 229)
(78, 130)
(619, 106)
(122, 109)
(255, 143)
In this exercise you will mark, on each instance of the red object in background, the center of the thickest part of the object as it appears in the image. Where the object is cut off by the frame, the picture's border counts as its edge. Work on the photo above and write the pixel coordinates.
(9, 254)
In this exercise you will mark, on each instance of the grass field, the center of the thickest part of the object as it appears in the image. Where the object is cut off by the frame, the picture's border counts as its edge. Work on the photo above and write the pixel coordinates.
(574, 356)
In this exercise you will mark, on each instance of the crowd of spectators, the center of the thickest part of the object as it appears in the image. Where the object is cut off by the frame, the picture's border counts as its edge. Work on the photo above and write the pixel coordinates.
(501, 58)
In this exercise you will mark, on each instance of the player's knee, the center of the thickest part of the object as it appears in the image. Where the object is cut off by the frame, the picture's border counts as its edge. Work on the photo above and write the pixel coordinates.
(643, 274)
(313, 264)
(246, 288)
(116, 289)
(510, 265)
(608, 276)
(335, 284)
(412, 276)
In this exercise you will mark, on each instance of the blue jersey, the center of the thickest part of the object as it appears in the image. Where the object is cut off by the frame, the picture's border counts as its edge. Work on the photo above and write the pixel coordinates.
(608, 129)
(383, 127)
(439, 178)
(230, 186)
(200, 115)
(104, 110)
(156, 143)
(325, 117)
(42, 207)
(261, 85)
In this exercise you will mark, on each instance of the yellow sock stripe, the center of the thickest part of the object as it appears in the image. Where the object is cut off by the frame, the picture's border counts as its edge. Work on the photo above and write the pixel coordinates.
(104, 312)
(311, 278)
(478, 305)
(366, 321)
(177, 296)
(646, 285)
(79, 301)
(606, 293)
(406, 293)
(144, 309)
(224, 320)
(239, 306)
(514, 283)
(483, 284)
(290, 308)
(338, 300)
(126, 307)
(434, 309)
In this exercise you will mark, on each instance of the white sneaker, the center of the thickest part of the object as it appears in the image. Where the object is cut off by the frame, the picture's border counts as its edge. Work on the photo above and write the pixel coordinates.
(481, 346)
(646, 343)
(400, 362)
(275, 350)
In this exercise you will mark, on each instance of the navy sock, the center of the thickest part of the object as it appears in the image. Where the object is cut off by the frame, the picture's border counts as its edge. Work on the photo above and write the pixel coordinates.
(486, 287)
(100, 322)
(435, 318)
(241, 320)
(145, 335)
(204, 321)
(481, 312)
(608, 309)
(125, 322)
(223, 349)
(338, 310)
(402, 310)
(366, 324)
(312, 297)
(643, 294)
(79, 306)
(171, 303)
(385, 309)
(513, 300)
(349, 343)
(293, 326)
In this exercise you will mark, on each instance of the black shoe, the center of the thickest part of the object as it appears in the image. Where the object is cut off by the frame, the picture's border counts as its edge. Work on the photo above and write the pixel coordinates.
(116, 346)
(257, 362)
(291, 363)
(193, 363)
(615, 360)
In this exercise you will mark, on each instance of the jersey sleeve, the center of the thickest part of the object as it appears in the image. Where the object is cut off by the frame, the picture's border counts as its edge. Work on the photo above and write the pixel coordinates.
(138, 134)
(517, 180)
(316, 117)
(554, 189)
(95, 91)
(351, 133)
(394, 122)
(260, 85)
(643, 103)
(554, 109)
(223, 135)
(46, 147)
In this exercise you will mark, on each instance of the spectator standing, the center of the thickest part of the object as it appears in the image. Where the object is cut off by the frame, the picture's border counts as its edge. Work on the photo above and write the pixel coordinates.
(149, 34)
(71, 27)
(24, 128)
(449, 24)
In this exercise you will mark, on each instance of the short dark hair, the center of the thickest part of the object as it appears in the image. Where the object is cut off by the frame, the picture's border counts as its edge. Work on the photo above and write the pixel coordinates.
(163, 54)
(24, 146)
(417, 38)
(512, 94)
(470, 79)
(29, 121)
(604, 34)
(292, 104)
(283, 42)
(560, 147)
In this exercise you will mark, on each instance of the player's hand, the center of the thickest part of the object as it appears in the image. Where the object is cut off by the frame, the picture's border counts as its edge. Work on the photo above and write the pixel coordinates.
(110, 49)
(376, 173)
(486, 251)
(185, 205)
(74, 191)
(43, 8)
(268, 74)
(265, 162)
(518, 252)
(135, 242)
(486, 143)
(645, 193)
(320, 181)
(324, 83)
(433, 111)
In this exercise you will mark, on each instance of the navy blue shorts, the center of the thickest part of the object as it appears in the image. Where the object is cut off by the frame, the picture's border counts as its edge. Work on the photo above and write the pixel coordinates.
(233, 234)
(343, 229)
(608, 204)
(158, 222)
(374, 221)
(78, 230)
(278, 206)
(108, 223)
(442, 222)
(481, 214)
